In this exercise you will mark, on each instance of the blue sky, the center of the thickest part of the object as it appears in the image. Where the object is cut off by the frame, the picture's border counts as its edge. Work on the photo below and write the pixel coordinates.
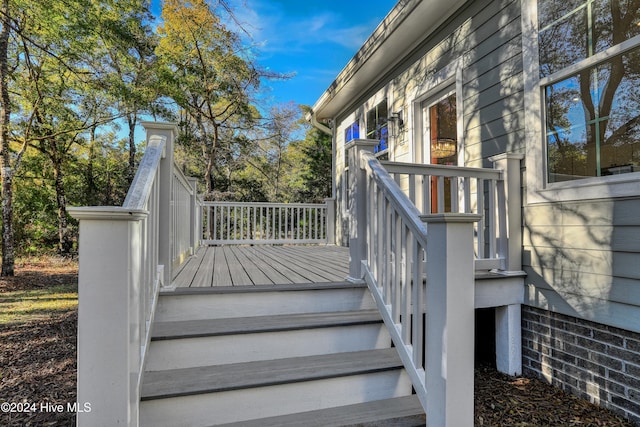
(313, 39)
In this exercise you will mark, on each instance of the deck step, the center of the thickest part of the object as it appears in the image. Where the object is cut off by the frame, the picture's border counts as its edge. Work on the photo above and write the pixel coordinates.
(247, 325)
(202, 396)
(403, 411)
(194, 343)
(247, 301)
(264, 373)
(273, 353)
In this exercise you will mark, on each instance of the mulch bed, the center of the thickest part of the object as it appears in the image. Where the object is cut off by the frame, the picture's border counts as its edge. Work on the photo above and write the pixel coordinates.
(38, 365)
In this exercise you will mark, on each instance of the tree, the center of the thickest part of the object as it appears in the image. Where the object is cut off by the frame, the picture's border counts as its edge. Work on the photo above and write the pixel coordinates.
(209, 75)
(128, 64)
(6, 165)
(56, 87)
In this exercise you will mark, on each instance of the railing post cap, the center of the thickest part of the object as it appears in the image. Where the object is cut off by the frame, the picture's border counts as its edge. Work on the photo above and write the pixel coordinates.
(450, 218)
(506, 156)
(172, 126)
(363, 143)
(110, 213)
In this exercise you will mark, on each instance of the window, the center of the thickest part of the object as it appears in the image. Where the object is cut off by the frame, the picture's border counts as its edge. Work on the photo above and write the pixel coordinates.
(377, 125)
(590, 78)
(352, 132)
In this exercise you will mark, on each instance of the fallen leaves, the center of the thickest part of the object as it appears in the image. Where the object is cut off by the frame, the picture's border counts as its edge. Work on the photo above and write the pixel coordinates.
(501, 400)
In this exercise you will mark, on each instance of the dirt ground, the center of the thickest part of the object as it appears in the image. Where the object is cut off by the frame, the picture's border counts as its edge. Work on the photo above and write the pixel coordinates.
(38, 366)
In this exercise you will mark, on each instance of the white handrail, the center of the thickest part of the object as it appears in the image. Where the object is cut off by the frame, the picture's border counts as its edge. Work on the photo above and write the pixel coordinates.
(266, 223)
(127, 253)
(422, 279)
(470, 190)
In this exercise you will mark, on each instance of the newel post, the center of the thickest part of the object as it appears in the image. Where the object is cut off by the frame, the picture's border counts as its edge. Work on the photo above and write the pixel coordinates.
(109, 297)
(330, 203)
(508, 318)
(511, 244)
(165, 207)
(357, 202)
(449, 343)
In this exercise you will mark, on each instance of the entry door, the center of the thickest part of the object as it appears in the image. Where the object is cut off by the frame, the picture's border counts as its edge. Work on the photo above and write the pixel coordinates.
(440, 143)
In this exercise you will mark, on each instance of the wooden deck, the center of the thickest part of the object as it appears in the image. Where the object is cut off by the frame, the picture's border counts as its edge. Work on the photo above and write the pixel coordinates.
(263, 265)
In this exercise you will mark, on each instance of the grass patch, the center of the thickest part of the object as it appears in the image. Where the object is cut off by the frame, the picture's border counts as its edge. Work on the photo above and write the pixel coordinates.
(37, 304)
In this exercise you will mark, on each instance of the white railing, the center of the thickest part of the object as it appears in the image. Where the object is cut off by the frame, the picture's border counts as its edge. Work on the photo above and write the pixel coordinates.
(127, 253)
(185, 218)
(420, 266)
(442, 189)
(268, 223)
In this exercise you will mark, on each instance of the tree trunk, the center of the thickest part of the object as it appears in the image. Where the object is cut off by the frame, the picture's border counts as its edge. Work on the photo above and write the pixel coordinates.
(8, 256)
(132, 118)
(64, 236)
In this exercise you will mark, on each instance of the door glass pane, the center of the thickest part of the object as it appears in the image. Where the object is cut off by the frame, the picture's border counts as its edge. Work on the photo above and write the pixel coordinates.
(444, 131)
(443, 145)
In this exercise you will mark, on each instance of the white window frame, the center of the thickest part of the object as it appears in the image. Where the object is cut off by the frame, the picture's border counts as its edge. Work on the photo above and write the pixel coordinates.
(538, 189)
(449, 79)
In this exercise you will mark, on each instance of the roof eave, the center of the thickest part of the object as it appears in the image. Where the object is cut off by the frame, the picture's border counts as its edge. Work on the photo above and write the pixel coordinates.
(382, 51)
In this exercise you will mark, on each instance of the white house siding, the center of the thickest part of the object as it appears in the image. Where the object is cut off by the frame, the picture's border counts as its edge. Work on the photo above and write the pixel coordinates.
(583, 259)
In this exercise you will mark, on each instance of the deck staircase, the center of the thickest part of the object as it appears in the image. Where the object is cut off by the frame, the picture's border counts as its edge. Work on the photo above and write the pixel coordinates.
(288, 355)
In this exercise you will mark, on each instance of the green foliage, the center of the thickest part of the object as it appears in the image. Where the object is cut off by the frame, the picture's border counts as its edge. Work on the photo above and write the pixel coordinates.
(74, 67)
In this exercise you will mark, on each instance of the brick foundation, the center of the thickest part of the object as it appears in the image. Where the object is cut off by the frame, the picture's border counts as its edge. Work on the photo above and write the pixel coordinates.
(593, 361)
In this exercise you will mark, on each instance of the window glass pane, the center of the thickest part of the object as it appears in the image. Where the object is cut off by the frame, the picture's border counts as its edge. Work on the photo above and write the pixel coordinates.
(593, 121)
(377, 125)
(443, 131)
(352, 132)
(571, 30)
(620, 113)
(614, 21)
(564, 42)
(550, 11)
(567, 131)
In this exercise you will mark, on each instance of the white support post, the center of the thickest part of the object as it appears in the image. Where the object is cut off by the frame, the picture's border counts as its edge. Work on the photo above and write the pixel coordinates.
(510, 164)
(357, 202)
(449, 343)
(166, 238)
(330, 218)
(509, 339)
(108, 315)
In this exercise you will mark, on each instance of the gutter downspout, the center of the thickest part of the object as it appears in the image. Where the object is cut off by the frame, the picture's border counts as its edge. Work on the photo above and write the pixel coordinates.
(311, 118)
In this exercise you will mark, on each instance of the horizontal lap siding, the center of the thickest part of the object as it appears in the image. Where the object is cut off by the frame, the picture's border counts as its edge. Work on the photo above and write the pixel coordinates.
(583, 260)
(488, 37)
(492, 84)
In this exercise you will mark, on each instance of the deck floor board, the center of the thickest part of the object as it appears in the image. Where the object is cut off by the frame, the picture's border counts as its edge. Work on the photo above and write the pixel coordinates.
(263, 265)
(204, 276)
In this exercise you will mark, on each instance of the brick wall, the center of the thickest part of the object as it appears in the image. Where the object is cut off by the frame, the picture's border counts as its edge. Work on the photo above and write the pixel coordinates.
(593, 361)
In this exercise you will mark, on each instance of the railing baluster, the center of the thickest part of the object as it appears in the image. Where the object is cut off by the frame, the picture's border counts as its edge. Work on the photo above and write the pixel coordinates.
(440, 194)
(481, 252)
(255, 223)
(396, 265)
(491, 218)
(417, 331)
(407, 250)
(467, 194)
(454, 195)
